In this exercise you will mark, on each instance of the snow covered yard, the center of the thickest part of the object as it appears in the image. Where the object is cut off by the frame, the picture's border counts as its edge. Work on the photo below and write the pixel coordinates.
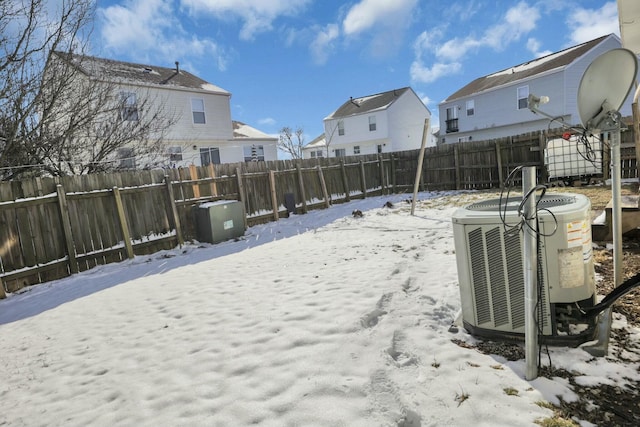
(318, 320)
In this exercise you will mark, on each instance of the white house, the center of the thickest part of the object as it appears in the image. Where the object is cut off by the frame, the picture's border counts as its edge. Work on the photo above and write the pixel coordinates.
(496, 105)
(316, 148)
(379, 123)
(203, 131)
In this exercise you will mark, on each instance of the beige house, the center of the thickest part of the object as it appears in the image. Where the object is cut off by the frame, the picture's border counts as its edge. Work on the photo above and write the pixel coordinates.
(203, 131)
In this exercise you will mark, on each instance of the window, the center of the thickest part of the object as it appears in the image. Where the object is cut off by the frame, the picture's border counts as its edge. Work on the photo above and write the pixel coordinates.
(356, 149)
(129, 106)
(197, 109)
(341, 128)
(341, 152)
(253, 153)
(210, 155)
(452, 119)
(127, 158)
(175, 154)
(470, 107)
(379, 148)
(372, 123)
(317, 153)
(523, 97)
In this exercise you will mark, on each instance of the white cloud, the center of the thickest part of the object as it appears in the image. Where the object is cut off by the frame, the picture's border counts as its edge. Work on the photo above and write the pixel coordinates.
(517, 21)
(369, 13)
(256, 15)
(588, 24)
(151, 28)
(383, 20)
(323, 43)
(267, 121)
(533, 45)
(422, 74)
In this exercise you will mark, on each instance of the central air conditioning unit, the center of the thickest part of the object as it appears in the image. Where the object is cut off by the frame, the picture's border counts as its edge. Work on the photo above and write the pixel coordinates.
(489, 256)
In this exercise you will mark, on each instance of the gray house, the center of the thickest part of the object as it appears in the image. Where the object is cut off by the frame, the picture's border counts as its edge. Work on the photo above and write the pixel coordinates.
(496, 105)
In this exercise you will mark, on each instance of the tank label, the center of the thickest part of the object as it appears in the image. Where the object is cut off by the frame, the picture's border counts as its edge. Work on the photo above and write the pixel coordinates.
(227, 225)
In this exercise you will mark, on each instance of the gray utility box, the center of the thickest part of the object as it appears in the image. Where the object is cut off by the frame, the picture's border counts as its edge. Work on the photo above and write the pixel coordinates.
(219, 221)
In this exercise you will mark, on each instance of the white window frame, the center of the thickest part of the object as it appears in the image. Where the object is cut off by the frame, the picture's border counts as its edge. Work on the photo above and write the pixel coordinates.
(341, 152)
(129, 108)
(197, 111)
(522, 97)
(175, 153)
(372, 123)
(471, 110)
(127, 157)
(340, 128)
(209, 151)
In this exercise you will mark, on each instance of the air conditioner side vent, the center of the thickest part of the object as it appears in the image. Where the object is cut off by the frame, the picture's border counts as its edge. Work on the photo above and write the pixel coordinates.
(513, 255)
(497, 277)
(479, 274)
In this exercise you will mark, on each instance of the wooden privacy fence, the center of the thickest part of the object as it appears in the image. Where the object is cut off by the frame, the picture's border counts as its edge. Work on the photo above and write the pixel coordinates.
(53, 227)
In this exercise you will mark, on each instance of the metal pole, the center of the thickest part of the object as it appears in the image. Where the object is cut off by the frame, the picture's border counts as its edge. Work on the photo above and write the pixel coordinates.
(616, 185)
(601, 347)
(616, 229)
(530, 279)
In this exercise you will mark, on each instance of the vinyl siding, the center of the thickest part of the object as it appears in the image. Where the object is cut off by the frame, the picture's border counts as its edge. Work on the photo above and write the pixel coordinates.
(496, 113)
(407, 116)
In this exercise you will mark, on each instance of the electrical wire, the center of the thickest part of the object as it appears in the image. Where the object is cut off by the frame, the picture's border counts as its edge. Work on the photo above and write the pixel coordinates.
(523, 225)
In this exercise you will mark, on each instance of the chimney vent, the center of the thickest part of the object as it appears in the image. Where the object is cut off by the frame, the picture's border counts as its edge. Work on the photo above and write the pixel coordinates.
(177, 67)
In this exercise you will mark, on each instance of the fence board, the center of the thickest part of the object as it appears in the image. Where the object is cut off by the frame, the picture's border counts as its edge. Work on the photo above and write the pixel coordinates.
(159, 214)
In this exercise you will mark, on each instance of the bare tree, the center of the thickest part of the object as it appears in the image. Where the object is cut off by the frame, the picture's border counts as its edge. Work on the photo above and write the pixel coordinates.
(328, 136)
(291, 141)
(55, 117)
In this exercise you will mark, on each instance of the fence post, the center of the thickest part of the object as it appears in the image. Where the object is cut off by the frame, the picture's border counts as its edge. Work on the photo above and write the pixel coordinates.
(173, 210)
(363, 183)
(241, 195)
(193, 175)
(542, 143)
(345, 182)
(214, 184)
(66, 227)
(393, 174)
(124, 226)
(456, 160)
(323, 184)
(499, 162)
(381, 168)
(303, 192)
(274, 200)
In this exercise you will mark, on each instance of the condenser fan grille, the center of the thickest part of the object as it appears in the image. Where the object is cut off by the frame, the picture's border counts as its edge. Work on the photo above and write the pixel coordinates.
(512, 204)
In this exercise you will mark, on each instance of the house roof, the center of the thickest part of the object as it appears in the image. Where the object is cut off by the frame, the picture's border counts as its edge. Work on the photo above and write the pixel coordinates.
(244, 131)
(138, 74)
(368, 103)
(537, 66)
(318, 141)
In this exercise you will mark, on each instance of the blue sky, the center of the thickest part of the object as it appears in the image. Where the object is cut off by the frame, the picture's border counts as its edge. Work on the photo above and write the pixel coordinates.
(293, 62)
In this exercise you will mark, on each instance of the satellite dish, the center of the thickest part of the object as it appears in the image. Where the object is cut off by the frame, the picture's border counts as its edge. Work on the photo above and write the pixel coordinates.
(605, 85)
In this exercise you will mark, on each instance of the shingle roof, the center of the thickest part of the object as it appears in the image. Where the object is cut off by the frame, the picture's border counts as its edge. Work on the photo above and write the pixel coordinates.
(527, 69)
(318, 141)
(242, 130)
(140, 74)
(368, 103)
